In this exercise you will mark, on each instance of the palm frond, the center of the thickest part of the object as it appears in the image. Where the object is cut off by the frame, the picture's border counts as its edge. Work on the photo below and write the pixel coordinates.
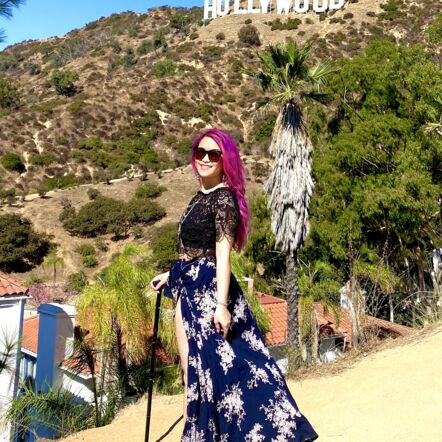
(7, 354)
(318, 74)
(6, 7)
(316, 96)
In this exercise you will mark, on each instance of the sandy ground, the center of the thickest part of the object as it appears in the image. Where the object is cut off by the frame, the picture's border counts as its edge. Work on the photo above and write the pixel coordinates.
(389, 395)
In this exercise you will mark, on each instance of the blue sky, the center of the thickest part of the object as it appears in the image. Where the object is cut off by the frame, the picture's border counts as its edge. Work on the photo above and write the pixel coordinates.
(47, 18)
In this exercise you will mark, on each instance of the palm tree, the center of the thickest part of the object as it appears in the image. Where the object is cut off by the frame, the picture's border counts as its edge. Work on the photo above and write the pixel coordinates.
(6, 7)
(52, 260)
(317, 284)
(119, 309)
(285, 74)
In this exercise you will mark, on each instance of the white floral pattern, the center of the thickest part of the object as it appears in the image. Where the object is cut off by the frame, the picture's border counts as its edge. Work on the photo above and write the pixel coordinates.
(231, 404)
(258, 375)
(255, 434)
(226, 354)
(281, 414)
(236, 391)
(255, 342)
(239, 312)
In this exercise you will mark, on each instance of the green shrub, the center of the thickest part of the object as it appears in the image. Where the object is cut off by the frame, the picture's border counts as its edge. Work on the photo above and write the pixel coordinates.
(249, 36)
(181, 22)
(9, 94)
(133, 31)
(76, 106)
(60, 182)
(149, 190)
(89, 143)
(220, 36)
(90, 261)
(145, 47)
(212, 53)
(185, 47)
(163, 245)
(12, 161)
(93, 193)
(77, 281)
(265, 128)
(107, 215)
(93, 218)
(183, 147)
(85, 249)
(42, 160)
(290, 24)
(101, 244)
(115, 45)
(164, 68)
(64, 82)
(21, 247)
(393, 9)
(129, 59)
(144, 211)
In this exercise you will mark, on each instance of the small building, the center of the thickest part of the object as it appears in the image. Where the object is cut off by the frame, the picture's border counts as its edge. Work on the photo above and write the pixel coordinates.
(335, 333)
(13, 297)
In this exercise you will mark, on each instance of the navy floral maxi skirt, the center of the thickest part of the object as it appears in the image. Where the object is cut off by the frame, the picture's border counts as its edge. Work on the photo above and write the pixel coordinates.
(236, 391)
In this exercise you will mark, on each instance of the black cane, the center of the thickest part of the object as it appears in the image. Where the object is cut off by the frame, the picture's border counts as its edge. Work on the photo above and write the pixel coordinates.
(154, 344)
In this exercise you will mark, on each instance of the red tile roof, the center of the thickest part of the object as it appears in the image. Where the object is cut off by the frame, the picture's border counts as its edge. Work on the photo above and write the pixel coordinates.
(276, 308)
(30, 333)
(10, 287)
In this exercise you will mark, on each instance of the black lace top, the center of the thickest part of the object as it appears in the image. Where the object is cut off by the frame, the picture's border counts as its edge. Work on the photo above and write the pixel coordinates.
(207, 219)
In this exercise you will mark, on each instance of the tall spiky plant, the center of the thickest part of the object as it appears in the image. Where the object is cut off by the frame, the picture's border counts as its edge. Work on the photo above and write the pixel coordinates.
(291, 83)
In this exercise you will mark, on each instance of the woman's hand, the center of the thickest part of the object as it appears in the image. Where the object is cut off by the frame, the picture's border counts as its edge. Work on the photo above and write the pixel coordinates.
(222, 319)
(159, 280)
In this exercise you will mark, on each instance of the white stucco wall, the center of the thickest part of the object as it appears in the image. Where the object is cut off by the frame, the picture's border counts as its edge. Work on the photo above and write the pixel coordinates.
(11, 319)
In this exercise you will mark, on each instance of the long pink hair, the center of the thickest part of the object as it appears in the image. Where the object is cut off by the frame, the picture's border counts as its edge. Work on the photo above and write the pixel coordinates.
(234, 176)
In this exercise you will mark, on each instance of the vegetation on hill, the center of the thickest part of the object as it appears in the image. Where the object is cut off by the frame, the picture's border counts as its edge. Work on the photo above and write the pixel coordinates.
(167, 68)
(21, 246)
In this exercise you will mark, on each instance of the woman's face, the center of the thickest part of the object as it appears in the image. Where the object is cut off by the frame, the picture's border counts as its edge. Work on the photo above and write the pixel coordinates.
(205, 167)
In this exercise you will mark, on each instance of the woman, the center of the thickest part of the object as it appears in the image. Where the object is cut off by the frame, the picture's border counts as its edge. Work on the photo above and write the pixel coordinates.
(234, 390)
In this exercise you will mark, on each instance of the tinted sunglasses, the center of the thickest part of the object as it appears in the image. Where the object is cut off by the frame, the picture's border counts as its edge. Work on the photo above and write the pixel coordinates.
(214, 155)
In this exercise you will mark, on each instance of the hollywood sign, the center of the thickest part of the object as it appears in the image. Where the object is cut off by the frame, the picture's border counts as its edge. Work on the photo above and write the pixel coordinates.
(220, 8)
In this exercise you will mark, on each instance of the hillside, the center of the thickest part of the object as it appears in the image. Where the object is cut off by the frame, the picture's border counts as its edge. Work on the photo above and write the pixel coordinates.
(126, 103)
(146, 84)
(390, 395)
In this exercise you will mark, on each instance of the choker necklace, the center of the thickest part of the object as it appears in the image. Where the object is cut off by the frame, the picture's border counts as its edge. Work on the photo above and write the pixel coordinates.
(213, 188)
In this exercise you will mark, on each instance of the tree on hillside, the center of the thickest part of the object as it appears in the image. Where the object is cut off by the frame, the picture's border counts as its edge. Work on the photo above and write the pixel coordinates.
(286, 75)
(376, 211)
(6, 7)
(21, 247)
(52, 261)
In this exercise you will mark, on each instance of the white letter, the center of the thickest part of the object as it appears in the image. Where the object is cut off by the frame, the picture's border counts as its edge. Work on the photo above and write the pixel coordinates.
(283, 6)
(237, 8)
(304, 8)
(336, 4)
(252, 10)
(321, 8)
(209, 8)
(219, 10)
(265, 6)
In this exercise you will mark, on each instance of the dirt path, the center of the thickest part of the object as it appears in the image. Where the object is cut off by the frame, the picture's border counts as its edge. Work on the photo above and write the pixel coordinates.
(390, 395)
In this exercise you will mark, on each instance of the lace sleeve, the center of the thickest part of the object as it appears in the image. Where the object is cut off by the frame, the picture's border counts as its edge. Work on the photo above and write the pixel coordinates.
(226, 216)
